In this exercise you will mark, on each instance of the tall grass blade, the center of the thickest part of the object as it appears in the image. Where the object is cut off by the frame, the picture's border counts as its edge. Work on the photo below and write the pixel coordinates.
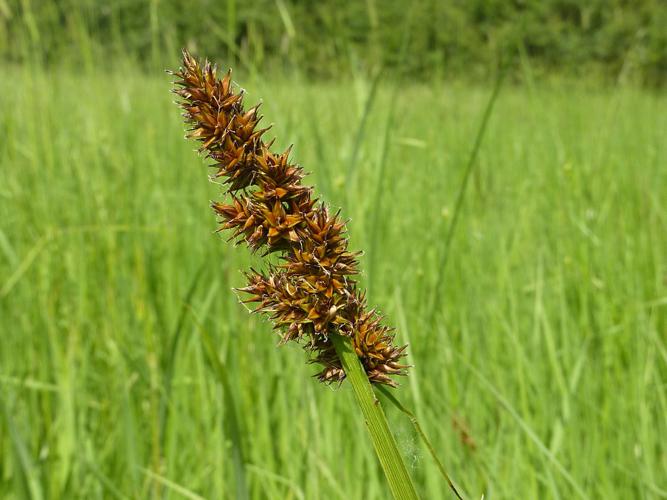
(181, 490)
(526, 428)
(234, 427)
(26, 467)
(25, 264)
(444, 256)
(361, 129)
(106, 483)
(170, 361)
(379, 190)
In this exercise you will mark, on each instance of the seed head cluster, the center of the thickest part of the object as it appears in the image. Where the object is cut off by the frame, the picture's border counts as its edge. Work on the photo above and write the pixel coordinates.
(312, 291)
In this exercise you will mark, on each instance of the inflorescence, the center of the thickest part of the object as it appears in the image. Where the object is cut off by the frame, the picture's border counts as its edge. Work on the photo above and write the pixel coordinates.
(312, 292)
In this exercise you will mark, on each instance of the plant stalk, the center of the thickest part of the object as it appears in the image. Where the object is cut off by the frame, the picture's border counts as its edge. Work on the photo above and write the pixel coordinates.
(384, 443)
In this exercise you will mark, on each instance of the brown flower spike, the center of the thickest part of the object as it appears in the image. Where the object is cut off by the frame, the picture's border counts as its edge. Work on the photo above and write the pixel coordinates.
(312, 292)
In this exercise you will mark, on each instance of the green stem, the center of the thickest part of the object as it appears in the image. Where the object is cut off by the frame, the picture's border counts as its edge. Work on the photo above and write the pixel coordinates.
(385, 445)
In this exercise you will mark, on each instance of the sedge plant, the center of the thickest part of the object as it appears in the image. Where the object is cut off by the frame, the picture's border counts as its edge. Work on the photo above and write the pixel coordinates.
(311, 294)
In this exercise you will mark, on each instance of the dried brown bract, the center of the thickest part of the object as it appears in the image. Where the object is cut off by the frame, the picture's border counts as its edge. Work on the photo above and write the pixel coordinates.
(312, 292)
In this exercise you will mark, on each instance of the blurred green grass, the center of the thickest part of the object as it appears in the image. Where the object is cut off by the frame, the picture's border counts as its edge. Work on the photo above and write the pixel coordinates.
(548, 347)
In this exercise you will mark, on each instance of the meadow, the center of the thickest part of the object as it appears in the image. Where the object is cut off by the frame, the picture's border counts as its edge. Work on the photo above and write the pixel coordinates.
(539, 341)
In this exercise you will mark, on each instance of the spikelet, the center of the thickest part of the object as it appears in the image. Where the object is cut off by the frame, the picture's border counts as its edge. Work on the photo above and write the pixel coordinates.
(312, 292)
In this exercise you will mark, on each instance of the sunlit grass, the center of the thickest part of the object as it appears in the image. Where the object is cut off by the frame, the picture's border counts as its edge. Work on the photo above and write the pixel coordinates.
(548, 348)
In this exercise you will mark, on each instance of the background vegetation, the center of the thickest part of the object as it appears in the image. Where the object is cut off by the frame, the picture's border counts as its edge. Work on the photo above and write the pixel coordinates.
(128, 370)
(609, 39)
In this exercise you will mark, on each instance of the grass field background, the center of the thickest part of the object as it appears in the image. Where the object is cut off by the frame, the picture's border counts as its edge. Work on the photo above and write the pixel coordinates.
(128, 370)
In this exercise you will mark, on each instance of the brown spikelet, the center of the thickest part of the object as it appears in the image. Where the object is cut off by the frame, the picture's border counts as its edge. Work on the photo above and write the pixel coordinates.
(312, 292)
